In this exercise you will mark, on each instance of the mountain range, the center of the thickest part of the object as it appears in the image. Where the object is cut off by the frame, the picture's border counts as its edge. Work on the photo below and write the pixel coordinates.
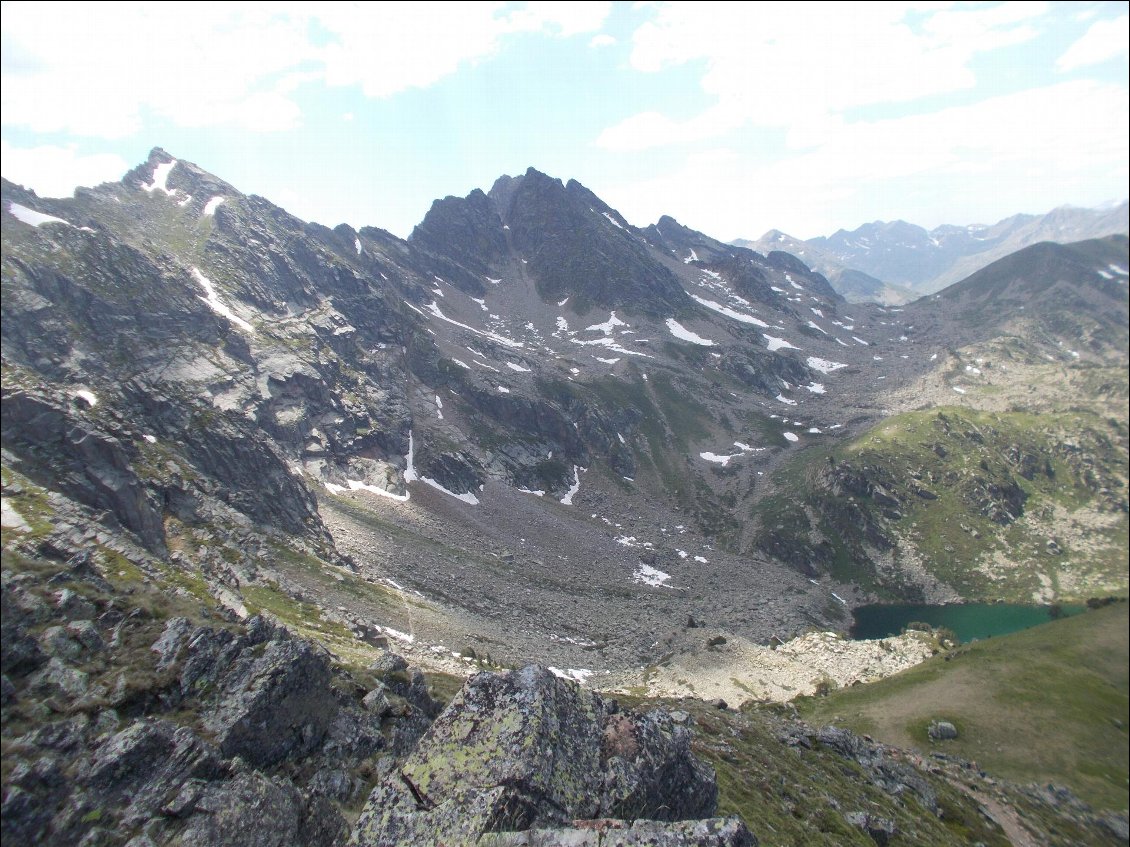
(530, 432)
(894, 262)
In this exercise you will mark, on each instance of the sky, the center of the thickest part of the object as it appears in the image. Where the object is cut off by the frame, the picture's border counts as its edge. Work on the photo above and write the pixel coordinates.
(733, 118)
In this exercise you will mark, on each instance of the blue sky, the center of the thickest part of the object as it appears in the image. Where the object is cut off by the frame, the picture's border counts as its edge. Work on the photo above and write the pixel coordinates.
(733, 118)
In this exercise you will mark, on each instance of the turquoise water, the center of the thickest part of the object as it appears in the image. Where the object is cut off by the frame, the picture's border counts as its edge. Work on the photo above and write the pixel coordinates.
(969, 621)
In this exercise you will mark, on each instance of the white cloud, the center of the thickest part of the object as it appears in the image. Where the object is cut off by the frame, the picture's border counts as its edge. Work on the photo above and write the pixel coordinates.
(388, 48)
(602, 40)
(53, 171)
(97, 70)
(1032, 150)
(102, 69)
(647, 130)
(1103, 40)
(766, 65)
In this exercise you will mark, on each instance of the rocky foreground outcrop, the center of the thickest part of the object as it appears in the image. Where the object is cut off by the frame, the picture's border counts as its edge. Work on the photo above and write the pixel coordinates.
(124, 724)
(528, 751)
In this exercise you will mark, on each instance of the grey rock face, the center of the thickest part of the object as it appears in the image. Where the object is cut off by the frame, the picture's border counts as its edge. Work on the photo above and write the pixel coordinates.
(715, 832)
(527, 750)
(146, 766)
(273, 705)
(252, 810)
(90, 465)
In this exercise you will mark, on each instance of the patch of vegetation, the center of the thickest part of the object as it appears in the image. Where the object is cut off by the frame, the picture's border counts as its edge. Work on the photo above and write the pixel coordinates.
(997, 505)
(802, 797)
(1046, 704)
(30, 502)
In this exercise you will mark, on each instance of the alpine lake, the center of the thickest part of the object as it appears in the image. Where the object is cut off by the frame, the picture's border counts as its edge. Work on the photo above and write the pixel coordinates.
(968, 621)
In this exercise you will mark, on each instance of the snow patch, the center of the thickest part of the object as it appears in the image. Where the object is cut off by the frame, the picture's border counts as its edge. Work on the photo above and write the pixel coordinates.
(213, 204)
(612, 220)
(611, 344)
(648, 575)
(728, 312)
(684, 334)
(718, 460)
(574, 488)
(815, 387)
(517, 367)
(87, 397)
(791, 436)
(824, 365)
(578, 675)
(959, 390)
(32, 217)
(216, 304)
(467, 497)
(693, 257)
(397, 634)
(10, 517)
(783, 399)
(358, 485)
(632, 541)
(161, 177)
(607, 326)
(435, 310)
(775, 343)
(410, 460)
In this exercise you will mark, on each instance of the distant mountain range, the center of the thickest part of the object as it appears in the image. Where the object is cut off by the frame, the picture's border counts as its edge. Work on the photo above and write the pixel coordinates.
(894, 262)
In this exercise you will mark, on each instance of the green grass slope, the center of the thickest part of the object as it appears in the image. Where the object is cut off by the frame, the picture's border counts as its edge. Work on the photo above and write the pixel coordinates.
(1048, 704)
(997, 505)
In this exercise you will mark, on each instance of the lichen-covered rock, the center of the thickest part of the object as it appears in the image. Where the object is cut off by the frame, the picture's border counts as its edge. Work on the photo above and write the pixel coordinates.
(528, 750)
(58, 678)
(651, 772)
(249, 810)
(168, 647)
(715, 832)
(145, 766)
(19, 652)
